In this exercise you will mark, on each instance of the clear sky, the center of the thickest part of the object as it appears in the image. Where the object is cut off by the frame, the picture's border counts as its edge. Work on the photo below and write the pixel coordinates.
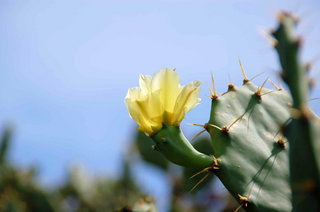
(65, 67)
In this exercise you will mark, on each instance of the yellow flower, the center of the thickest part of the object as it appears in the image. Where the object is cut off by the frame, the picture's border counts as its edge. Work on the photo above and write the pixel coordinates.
(161, 99)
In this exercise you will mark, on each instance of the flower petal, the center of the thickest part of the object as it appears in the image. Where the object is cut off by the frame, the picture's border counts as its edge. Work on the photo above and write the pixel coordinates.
(145, 110)
(145, 83)
(167, 82)
(186, 101)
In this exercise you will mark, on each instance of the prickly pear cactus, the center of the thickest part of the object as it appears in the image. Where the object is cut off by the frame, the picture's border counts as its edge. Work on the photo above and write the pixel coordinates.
(252, 155)
(249, 126)
(303, 132)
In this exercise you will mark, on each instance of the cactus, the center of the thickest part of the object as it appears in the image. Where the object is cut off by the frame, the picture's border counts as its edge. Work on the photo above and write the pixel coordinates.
(248, 146)
(303, 132)
(249, 127)
(249, 149)
(245, 125)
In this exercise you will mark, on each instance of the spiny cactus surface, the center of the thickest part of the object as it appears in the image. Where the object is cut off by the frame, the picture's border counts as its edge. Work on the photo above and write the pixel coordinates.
(245, 126)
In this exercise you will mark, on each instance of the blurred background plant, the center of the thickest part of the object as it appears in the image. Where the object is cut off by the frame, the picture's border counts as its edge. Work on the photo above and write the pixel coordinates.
(21, 192)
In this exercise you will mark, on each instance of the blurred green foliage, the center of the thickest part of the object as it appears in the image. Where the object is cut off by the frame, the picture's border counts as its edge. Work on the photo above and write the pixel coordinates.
(20, 190)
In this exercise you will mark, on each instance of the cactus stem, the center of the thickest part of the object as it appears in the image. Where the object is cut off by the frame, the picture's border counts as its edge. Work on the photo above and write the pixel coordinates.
(178, 149)
(245, 78)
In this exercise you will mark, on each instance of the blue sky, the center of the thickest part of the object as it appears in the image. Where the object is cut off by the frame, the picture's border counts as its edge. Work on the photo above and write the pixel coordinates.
(65, 67)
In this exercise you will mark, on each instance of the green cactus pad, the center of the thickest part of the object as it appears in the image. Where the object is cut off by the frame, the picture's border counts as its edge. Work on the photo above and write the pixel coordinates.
(254, 166)
(303, 132)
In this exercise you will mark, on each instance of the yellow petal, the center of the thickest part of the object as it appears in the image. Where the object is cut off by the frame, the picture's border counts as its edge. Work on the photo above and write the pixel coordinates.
(145, 83)
(186, 101)
(166, 81)
(144, 109)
